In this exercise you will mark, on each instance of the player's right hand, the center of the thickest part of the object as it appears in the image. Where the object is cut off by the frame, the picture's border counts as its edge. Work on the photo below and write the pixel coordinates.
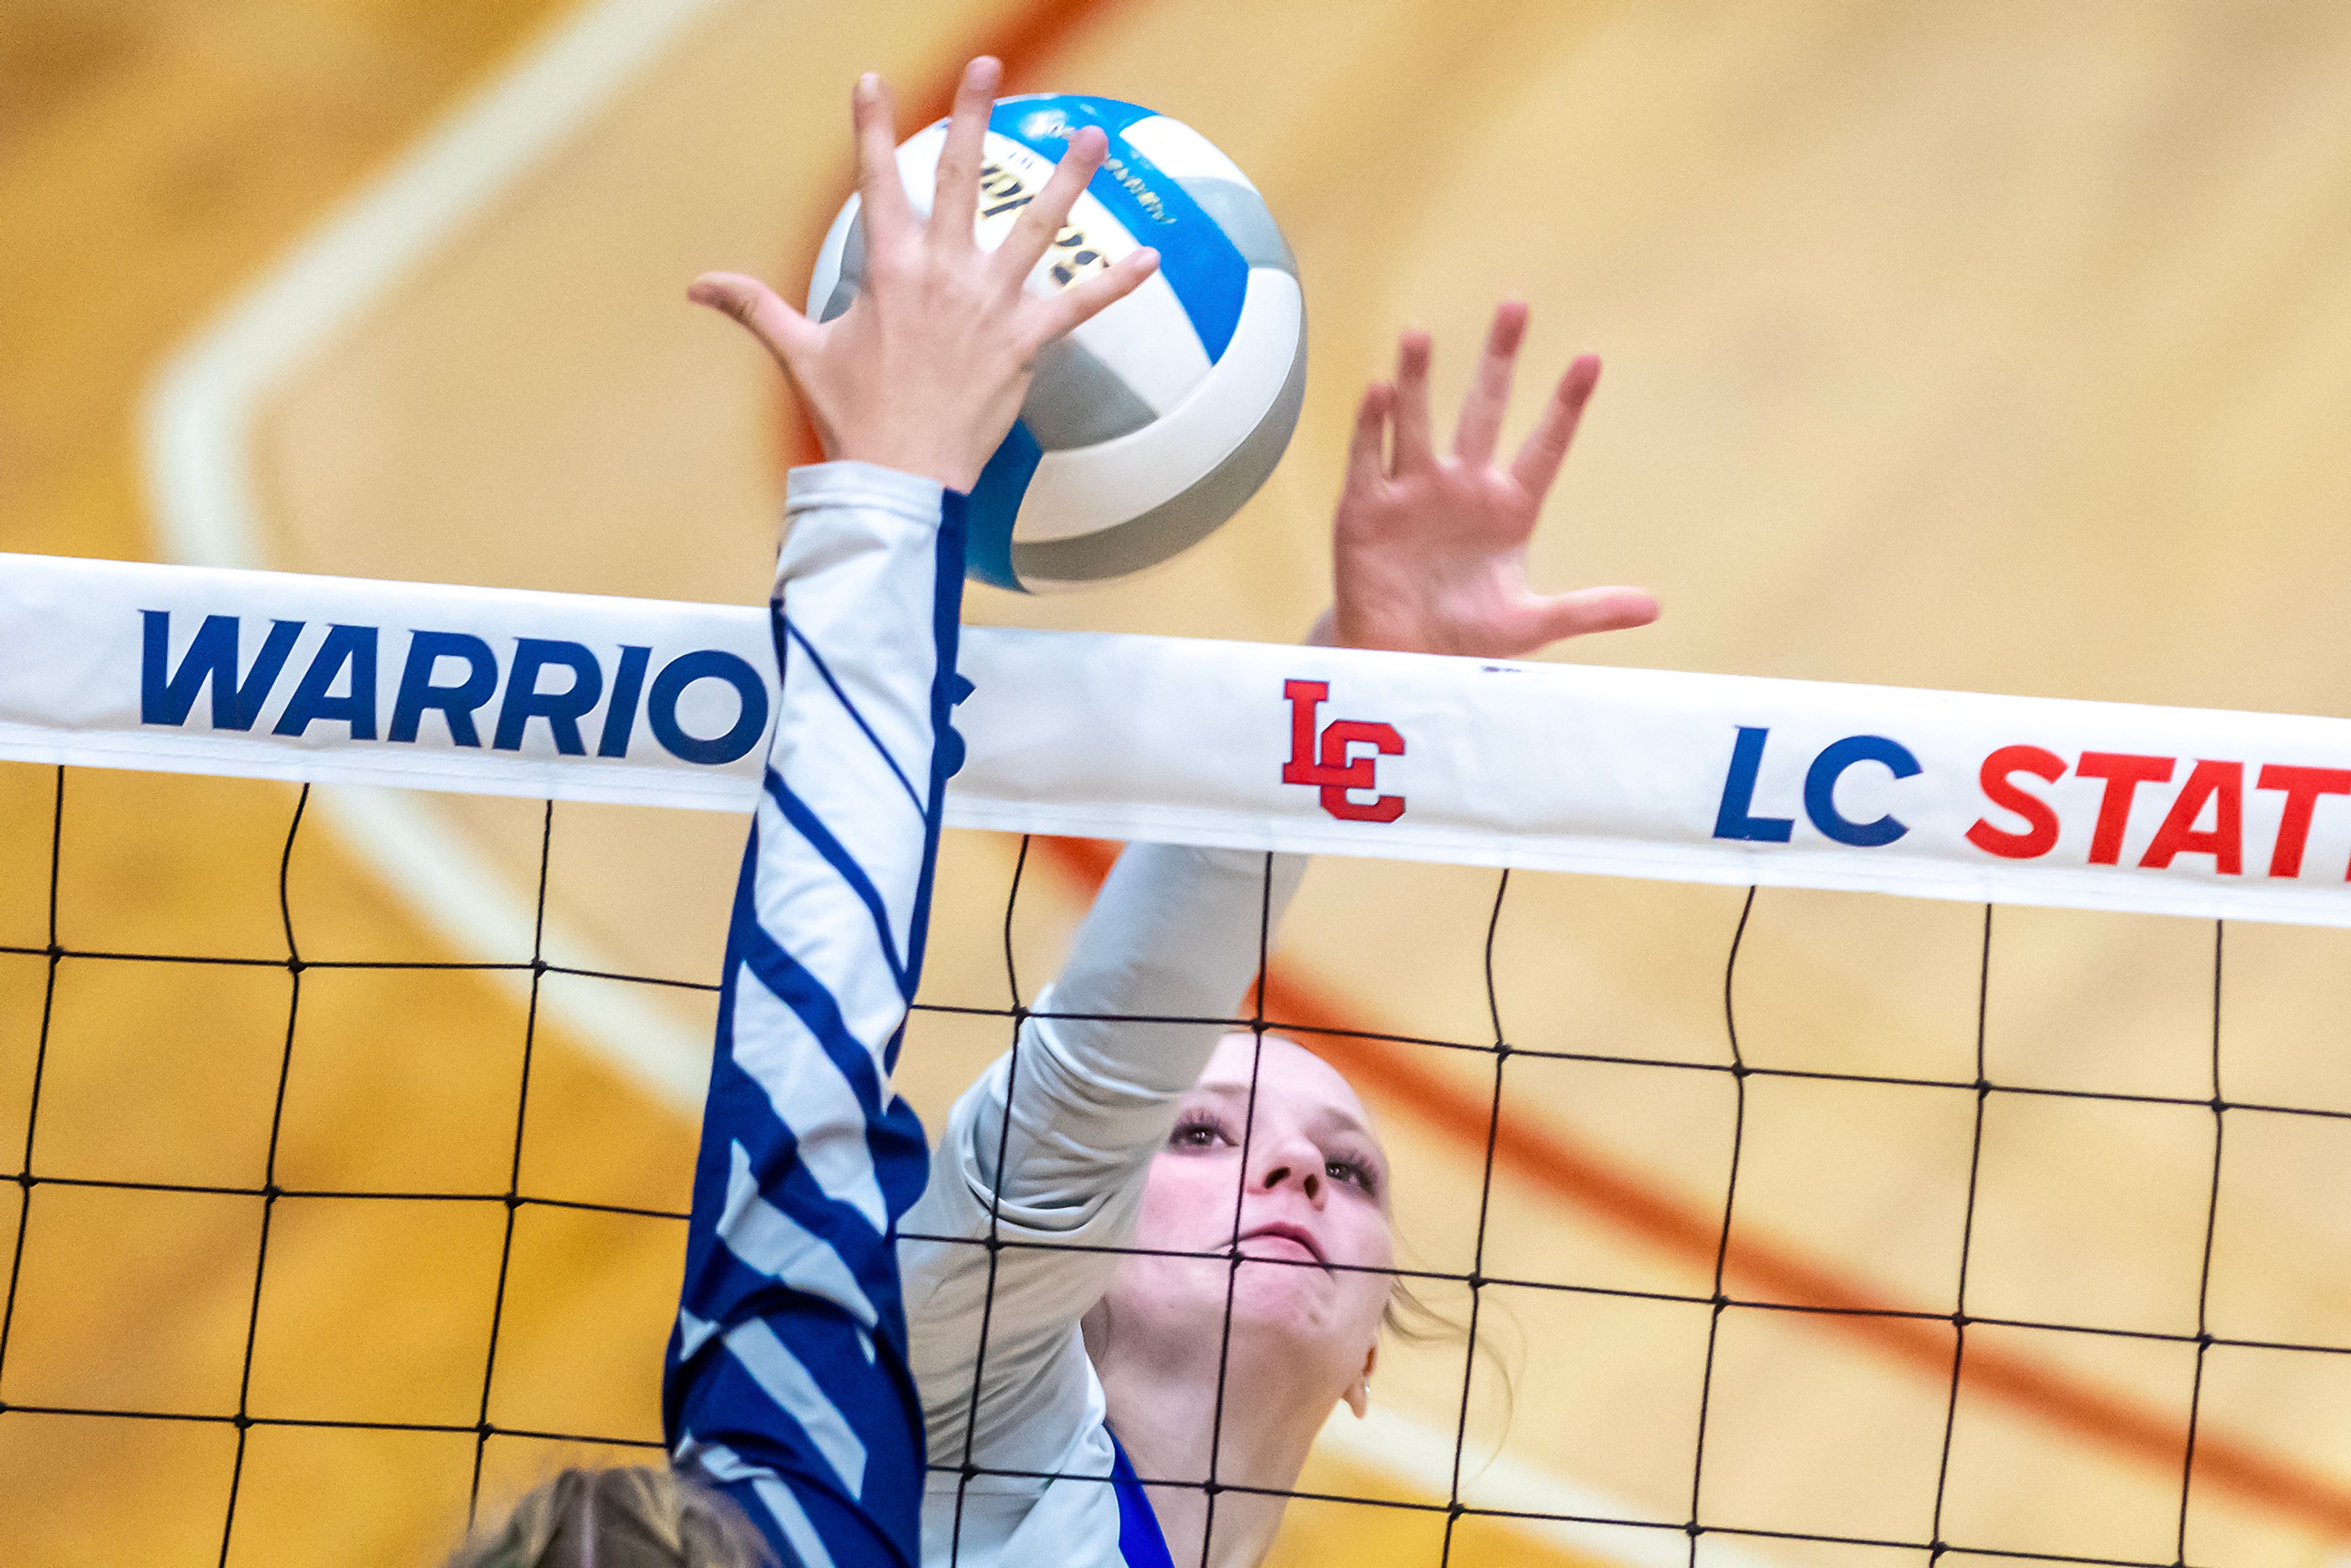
(924, 372)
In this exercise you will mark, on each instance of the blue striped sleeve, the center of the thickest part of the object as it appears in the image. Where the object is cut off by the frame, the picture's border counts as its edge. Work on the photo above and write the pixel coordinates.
(787, 1382)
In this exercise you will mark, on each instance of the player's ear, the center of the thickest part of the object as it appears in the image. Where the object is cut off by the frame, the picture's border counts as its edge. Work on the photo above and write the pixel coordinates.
(1359, 1393)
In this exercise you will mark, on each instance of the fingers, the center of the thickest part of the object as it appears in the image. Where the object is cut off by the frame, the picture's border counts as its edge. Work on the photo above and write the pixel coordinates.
(782, 330)
(1411, 447)
(1489, 394)
(882, 195)
(1080, 302)
(956, 197)
(1043, 218)
(1366, 454)
(1587, 610)
(1537, 464)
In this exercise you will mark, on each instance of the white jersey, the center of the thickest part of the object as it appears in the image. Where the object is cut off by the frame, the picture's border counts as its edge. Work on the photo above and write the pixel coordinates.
(1176, 933)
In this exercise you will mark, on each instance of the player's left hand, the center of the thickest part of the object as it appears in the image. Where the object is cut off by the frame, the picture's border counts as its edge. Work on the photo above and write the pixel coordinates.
(1430, 550)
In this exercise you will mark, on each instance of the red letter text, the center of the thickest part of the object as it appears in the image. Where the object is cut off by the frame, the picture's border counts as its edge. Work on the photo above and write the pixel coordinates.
(2124, 773)
(2223, 783)
(2040, 834)
(2302, 786)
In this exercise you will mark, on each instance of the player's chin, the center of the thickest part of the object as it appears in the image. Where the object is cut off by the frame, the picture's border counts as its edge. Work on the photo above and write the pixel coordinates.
(1290, 1300)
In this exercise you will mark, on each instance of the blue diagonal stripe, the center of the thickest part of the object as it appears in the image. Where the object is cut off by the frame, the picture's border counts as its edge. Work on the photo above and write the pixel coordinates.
(729, 1290)
(825, 671)
(820, 839)
(893, 1133)
(766, 1238)
(798, 989)
(792, 1388)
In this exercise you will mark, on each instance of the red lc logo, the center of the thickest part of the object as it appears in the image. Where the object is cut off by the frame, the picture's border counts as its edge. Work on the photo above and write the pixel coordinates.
(1333, 770)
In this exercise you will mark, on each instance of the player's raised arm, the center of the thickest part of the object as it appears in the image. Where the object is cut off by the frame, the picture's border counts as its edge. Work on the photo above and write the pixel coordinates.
(787, 1383)
(1120, 1124)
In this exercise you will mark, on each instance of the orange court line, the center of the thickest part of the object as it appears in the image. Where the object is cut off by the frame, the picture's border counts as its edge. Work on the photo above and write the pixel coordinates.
(1551, 1161)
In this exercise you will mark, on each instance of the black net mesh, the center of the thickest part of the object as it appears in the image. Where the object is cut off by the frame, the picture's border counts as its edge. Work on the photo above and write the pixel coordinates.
(1947, 1331)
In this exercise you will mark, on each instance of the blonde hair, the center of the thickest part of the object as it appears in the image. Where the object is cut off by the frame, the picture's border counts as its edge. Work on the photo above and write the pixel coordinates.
(1411, 1317)
(634, 1517)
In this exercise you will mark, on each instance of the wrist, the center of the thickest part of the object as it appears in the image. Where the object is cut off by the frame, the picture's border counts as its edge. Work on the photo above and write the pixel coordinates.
(1335, 628)
(850, 481)
(945, 470)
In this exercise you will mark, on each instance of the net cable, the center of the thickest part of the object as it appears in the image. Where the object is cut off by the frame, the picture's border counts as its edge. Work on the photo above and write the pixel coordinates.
(1696, 1524)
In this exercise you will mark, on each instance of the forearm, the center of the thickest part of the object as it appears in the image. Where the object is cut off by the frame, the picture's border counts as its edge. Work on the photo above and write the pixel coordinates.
(828, 915)
(1155, 978)
(806, 1162)
(1157, 974)
(869, 586)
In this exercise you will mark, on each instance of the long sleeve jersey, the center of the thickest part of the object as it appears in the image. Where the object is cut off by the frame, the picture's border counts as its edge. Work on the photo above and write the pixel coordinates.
(1093, 1093)
(816, 1352)
(786, 1383)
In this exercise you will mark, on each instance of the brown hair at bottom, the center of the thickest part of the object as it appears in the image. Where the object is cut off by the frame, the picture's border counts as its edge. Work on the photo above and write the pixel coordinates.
(632, 1517)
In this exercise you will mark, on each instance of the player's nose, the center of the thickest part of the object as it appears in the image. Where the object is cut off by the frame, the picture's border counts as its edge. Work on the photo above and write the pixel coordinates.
(1287, 1158)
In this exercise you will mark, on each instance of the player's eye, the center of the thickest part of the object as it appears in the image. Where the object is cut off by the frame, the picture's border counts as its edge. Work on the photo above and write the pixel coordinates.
(1357, 1174)
(1198, 1130)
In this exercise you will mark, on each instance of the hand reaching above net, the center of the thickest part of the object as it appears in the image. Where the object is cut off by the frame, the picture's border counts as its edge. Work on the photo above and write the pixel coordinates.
(1429, 550)
(926, 371)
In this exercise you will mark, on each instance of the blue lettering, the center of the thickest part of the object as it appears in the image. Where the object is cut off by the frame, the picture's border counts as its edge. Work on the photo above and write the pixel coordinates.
(1732, 820)
(707, 663)
(562, 709)
(621, 718)
(1821, 782)
(312, 700)
(456, 704)
(167, 697)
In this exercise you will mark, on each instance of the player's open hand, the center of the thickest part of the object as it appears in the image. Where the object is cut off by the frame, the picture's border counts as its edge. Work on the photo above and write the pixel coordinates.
(1430, 550)
(926, 371)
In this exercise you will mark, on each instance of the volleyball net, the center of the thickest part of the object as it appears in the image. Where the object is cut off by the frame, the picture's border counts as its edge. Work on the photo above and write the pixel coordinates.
(1773, 1218)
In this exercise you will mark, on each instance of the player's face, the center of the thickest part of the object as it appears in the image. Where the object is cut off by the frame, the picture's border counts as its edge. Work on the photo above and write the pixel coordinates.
(1293, 1178)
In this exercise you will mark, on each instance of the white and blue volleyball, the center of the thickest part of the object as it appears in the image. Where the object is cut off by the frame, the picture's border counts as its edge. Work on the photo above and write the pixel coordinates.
(1152, 423)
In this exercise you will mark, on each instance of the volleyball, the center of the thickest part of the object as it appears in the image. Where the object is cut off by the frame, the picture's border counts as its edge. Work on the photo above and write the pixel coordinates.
(1152, 423)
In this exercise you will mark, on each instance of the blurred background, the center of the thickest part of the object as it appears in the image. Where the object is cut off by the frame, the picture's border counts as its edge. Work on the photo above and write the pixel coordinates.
(1991, 346)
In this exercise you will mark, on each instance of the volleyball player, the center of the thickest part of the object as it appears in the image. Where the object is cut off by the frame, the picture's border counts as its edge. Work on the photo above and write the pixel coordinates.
(817, 1355)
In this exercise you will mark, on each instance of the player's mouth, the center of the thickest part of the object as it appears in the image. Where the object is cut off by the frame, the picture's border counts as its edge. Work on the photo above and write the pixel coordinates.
(1281, 1230)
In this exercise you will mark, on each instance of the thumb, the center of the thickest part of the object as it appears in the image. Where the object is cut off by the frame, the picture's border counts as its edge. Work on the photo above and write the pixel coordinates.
(783, 331)
(1587, 610)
